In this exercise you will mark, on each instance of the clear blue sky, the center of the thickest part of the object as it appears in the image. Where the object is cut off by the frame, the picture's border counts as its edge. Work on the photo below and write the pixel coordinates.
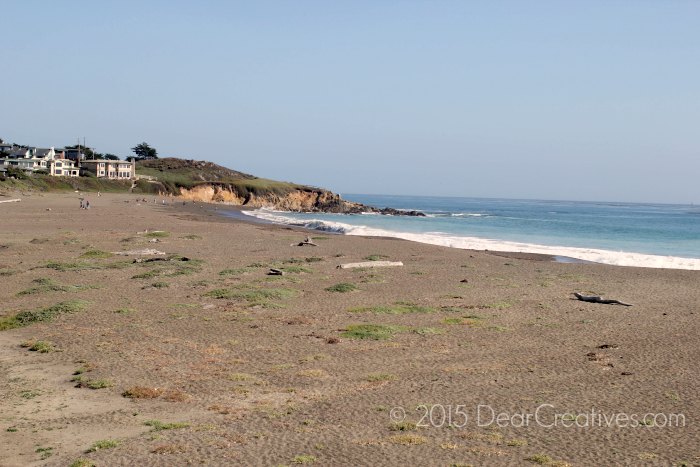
(587, 100)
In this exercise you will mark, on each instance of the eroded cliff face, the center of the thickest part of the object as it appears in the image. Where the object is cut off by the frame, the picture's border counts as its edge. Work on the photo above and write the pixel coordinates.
(296, 200)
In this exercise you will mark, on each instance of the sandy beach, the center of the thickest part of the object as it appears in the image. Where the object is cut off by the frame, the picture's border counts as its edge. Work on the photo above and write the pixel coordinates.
(203, 358)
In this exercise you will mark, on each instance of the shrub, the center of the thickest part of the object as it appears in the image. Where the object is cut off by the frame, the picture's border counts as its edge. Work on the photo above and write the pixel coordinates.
(371, 331)
(142, 392)
(103, 444)
(26, 318)
(398, 308)
(160, 426)
(342, 287)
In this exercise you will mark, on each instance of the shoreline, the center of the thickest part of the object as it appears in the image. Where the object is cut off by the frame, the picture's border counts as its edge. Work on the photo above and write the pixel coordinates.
(236, 214)
(557, 255)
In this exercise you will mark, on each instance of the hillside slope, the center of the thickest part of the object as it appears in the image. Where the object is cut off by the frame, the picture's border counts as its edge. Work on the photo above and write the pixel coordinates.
(208, 182)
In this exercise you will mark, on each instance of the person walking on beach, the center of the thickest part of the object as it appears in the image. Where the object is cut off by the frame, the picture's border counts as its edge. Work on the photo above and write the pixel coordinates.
(87, 204)
(82, 206)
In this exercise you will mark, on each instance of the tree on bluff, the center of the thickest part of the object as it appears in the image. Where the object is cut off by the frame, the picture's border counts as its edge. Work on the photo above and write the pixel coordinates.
(145, 151)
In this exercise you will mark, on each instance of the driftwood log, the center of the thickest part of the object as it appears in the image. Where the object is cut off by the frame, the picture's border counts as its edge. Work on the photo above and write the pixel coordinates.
(307, 242)
(275, 272)
(371, 264)
(597, 299)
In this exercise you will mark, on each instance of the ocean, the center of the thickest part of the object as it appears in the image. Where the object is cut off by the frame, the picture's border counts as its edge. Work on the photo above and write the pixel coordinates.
(624, 234)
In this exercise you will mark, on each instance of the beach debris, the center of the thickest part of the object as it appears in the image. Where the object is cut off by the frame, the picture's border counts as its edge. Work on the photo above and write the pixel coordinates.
(171, 258)
(608, 346)
(275, 272)
(465, 281)
(144, 252)
(597, 299)
(48, 209)
(154, 240)
(147, 231)
(371, 264)
(307, 242)
(11, 200)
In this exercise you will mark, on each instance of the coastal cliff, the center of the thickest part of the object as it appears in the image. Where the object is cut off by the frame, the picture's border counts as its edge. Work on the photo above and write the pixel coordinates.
(298, 200)
(210, 183)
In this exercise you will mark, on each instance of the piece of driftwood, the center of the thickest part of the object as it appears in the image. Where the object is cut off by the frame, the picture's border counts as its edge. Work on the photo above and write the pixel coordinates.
(307, 242)
(275, 272)
(144, 252)
(371, 264)
(10, 201)
(597, 299)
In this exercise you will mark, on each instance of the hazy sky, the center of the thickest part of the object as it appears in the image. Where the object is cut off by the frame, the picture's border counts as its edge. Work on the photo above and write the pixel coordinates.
(589, 100)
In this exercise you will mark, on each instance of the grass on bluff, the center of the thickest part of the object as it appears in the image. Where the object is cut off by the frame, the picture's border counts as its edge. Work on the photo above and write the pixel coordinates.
(175, 173)
(398, 308)
(25, 318)
(47, 285)
(372, 331)
(41, 182)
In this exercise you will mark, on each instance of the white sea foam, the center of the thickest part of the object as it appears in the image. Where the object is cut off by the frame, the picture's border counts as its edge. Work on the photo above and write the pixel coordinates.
(617, 258)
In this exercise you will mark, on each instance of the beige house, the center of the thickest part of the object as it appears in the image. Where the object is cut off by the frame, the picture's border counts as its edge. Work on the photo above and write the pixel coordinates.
(62, 168)
(116, 170)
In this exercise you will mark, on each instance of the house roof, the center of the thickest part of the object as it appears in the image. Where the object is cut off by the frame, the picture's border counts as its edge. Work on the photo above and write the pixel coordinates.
(19, 152)
(42, 152)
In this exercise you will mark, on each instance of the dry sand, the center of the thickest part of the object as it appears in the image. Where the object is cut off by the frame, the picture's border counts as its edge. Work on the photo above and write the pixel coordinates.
(268, 376)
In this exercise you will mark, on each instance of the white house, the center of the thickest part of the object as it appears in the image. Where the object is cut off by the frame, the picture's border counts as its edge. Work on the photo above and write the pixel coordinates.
(116, 170)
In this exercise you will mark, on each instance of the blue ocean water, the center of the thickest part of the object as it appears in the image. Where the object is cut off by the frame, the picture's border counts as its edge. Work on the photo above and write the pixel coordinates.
(656, 235)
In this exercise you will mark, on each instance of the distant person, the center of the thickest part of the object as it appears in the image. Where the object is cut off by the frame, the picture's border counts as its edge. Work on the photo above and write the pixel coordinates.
(82, 205)
(87, 204)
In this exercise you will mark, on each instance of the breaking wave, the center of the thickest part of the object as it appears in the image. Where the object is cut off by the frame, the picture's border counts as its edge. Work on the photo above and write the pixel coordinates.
(616, 258)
